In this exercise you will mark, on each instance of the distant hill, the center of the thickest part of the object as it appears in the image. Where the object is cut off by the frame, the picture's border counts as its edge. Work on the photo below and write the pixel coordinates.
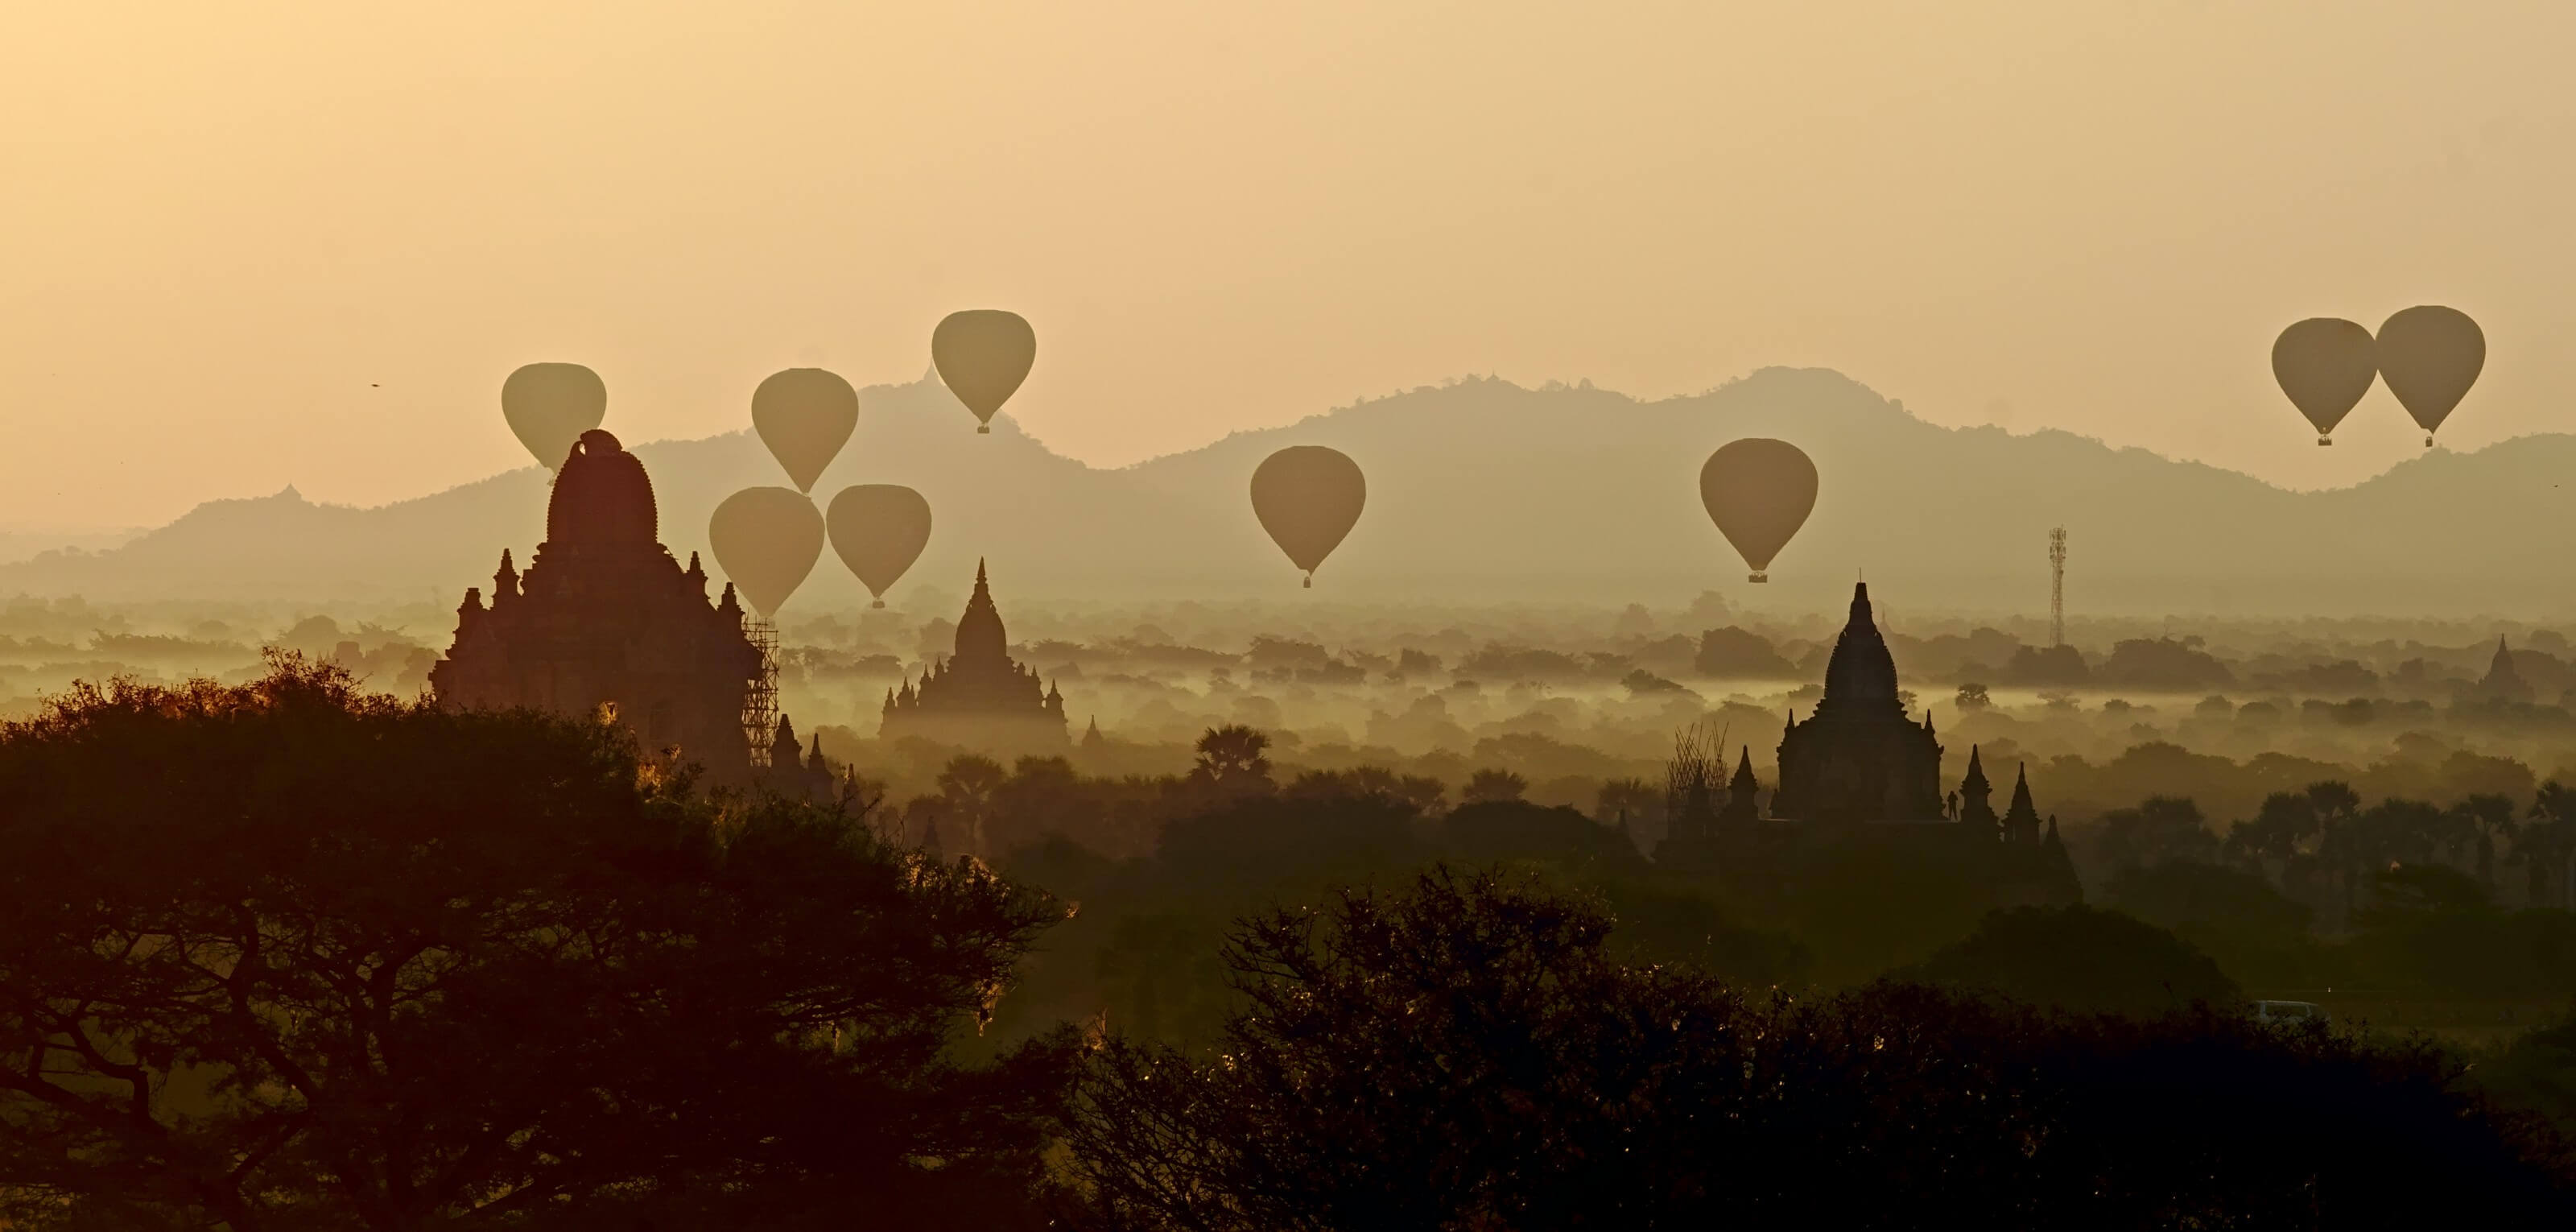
(1483, 491)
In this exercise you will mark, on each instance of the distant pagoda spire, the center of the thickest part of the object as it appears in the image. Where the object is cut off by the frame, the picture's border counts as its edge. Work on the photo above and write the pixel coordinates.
(2021, 820)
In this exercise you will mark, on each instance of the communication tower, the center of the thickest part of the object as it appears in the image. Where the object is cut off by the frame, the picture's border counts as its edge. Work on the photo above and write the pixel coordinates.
(2057, 587)
(760, 701)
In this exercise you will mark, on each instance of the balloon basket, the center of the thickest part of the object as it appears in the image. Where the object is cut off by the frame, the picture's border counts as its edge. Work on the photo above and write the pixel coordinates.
(983, 429)
(1757, 577)
(878, 604)
(1308, 584)
(2324, 441)
(2428, 440)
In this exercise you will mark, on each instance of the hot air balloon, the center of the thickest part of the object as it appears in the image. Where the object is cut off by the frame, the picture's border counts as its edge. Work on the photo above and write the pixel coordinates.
(2430, 355)
(766, 540)
(804, 415)
(1308, 497)
(1759, 492)
(983, 354)
(878, 530)
(2325, 365)
(549, 406)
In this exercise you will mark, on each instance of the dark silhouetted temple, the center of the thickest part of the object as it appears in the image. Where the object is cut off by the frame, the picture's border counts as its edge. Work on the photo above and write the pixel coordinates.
(1861, 771)
(1858, 757)
(979, 697)
(604, 615)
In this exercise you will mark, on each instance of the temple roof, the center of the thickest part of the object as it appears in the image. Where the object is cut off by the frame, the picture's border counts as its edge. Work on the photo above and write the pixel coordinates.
(1860, 679)
(2021, 808)
(979, 631)
(602, 497)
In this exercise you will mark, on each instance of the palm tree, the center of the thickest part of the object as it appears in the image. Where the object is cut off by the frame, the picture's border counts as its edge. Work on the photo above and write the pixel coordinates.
(2340, 845)
(1493, 786)
(2546, 843)
(2487, 817)
(1232, 759)
(966, 788)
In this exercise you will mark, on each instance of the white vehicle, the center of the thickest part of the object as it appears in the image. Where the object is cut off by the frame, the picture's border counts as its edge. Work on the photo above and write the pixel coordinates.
(2289, 1011)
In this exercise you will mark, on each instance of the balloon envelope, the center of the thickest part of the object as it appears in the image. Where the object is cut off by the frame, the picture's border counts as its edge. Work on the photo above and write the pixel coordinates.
(983, 354)
(766, 540)
(2325, 365)
(804, 415)
(1308, 497)
(1759, 492)
(549, 406)
(878, 530)
(2430, 355)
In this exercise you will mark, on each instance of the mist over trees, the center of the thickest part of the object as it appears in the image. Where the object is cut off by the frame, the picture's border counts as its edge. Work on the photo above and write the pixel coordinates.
(345, 961)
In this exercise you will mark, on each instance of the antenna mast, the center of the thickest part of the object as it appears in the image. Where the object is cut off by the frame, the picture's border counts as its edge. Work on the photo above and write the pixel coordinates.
(760, 701)
(2057, 587)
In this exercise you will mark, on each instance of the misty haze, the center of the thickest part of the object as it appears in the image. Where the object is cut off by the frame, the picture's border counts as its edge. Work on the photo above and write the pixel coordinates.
(1177, 619)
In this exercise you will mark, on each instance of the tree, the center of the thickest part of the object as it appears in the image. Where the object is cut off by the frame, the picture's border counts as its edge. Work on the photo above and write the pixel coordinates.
(2160, 828)
(966, 790)
(2489, 817)
(1492, 786)
(287, 955)
(2546, 843)
(1972, 698)
(2080, 958)
(1233, 760)
(1465, 1053)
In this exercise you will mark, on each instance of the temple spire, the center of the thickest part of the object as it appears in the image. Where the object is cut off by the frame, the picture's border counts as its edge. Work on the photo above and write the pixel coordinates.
(2021, 820)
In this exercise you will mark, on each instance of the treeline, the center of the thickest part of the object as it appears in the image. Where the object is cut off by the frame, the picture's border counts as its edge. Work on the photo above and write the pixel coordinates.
(288, 955)
(2318, 889)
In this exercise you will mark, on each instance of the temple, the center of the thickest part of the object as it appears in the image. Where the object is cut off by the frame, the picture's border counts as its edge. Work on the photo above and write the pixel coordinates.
(979, 698)
(2503, 682)
(1859, 757)
(604, 622)
(1860, 772)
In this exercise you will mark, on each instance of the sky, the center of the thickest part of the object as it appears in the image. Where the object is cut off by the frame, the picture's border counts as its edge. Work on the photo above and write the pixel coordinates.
(248, 246)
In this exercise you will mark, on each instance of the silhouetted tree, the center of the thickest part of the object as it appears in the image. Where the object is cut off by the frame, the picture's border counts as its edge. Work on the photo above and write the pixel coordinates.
(966, 788)
(1466, 1054)
(1493, 786)
(2546, 844)
(288, 955)
(2488, 817)
(2160, 828)
(2080, 958)
(1233, 760)
(1419, 793)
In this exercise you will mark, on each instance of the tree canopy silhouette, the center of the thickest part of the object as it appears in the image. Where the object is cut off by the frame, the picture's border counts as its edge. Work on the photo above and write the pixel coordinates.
(289, 955)
(1465, 1053)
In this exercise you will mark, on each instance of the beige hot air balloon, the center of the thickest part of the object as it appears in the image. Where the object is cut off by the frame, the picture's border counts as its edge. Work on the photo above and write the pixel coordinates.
(549, 406)
(2430, 355)
(1308, 497)
(1759, 492)
(2325, 365)
(878, 530)
(983, 354)
(766, 540)
(804, 415)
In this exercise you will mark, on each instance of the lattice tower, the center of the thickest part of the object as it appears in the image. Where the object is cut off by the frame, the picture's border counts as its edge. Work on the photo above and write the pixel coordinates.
(2057, 587)
(760, 701)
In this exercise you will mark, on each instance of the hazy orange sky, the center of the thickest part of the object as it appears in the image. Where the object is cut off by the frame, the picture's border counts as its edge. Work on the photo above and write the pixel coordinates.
(248, 245)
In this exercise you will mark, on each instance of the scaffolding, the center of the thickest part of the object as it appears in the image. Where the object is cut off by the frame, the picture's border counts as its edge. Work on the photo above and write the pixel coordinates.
(760, 701)
(2057, 587)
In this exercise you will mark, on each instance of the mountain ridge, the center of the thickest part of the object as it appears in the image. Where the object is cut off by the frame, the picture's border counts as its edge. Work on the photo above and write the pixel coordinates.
(1481, 490)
